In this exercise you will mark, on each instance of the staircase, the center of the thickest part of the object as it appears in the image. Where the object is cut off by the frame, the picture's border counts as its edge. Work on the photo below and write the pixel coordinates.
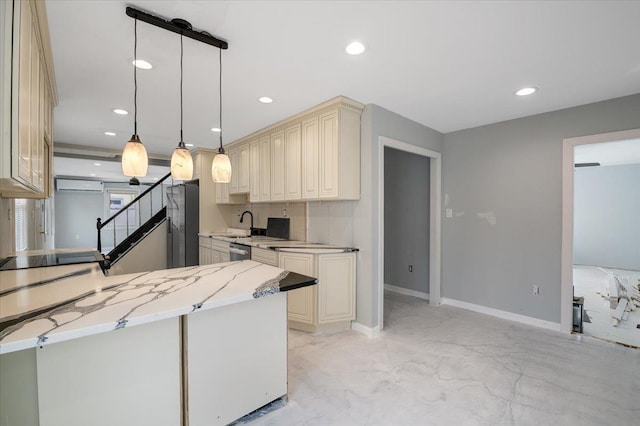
(121, 232)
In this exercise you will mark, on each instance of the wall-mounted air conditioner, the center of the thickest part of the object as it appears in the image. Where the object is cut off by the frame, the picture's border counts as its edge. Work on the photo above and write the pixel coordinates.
(79, 185)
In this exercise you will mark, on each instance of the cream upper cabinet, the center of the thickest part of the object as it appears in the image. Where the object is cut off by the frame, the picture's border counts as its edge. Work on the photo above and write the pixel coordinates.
(222, 193)
(239, 157)
(310, 158)
(292, 163)
(234, 159)
(314, 155)
(331, 303)
(244, 168)
(339, 154)
(254, 171)
(329, 155)
(264, 169)
(26, 120)
(277, 166)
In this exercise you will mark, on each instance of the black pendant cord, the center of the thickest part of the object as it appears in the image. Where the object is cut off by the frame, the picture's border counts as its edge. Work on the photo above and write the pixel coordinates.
(181, 56)
(221, 148)
(135, 75)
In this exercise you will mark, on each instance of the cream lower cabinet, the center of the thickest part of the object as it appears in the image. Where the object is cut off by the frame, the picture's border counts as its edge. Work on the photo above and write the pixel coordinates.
(211, 251)
(329, 305)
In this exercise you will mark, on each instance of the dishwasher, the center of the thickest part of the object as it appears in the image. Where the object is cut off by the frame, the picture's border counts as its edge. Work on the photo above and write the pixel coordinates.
(239, 251)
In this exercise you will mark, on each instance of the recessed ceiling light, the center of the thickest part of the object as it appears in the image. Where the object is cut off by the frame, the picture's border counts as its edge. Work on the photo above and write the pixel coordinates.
(142, 64)
(355, 48)
(526, 91)
(97, 164)
(92, 174)
(265, 100)
(109, 133)
(215, 129)
(188, 144)
(121, 111)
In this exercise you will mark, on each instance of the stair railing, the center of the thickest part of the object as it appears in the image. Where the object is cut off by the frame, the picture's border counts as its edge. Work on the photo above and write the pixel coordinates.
(120, 231)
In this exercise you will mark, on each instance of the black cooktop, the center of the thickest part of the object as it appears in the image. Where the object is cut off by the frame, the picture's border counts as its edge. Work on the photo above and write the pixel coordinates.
(41, 260)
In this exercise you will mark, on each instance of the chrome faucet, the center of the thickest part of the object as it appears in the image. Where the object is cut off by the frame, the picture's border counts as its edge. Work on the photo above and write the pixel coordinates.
(242, 217)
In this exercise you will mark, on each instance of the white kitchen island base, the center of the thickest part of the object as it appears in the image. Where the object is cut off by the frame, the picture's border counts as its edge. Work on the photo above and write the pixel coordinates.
(237, 359)
(205, 368)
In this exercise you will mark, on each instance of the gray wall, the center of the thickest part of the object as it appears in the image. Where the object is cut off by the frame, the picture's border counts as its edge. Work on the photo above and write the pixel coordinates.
(375, 122)
(406, 220)
(76, 213)
(606, 211)
(75, 217)
(504, 184)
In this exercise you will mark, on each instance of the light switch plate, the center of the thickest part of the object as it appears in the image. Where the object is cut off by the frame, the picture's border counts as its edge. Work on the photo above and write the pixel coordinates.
(449, 212)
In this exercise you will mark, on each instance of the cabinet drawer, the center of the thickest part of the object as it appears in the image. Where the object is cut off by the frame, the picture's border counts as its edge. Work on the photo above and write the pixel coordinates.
(270, 257)
(219, 245)
(205, 242)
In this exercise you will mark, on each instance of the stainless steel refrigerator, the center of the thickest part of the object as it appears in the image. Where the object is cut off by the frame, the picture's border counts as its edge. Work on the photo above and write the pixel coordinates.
(183, 204)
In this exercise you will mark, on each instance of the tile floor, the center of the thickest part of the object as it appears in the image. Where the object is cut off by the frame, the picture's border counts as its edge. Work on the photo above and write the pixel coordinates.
(447, 366)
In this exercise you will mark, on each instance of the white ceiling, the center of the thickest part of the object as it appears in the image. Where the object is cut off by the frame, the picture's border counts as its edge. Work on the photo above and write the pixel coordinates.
(447, 65)
(609, 153)
(110, 171)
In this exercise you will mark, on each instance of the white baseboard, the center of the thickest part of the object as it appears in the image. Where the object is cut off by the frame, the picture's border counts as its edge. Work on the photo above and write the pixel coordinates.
(555, 326)
(367, 331)
(406, 291)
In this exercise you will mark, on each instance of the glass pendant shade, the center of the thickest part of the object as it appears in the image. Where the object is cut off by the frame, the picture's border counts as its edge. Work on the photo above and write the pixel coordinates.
(221, 168)
(134, 158)
(181, 163)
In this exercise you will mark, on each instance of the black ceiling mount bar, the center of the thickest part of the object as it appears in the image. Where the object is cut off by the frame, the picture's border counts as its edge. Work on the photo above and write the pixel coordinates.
(179, 26)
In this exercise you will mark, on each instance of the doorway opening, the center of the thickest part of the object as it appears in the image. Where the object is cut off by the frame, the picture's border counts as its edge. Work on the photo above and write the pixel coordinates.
(409, 211)
(601, 234)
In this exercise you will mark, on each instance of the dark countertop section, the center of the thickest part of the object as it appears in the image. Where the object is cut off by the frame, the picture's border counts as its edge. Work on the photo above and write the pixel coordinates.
(49, 259)
(293, 281)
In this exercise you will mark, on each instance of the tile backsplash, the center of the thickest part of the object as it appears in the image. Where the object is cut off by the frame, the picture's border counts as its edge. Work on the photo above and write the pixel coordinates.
(296, 212)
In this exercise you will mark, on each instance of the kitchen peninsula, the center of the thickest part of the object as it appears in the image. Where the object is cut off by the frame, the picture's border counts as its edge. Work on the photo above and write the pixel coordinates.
(197, 345)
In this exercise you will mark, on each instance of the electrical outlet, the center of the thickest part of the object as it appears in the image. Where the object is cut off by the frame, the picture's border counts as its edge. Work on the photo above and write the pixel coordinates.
(238, 212)
(536, 290)
(284, 212)
(410, 268)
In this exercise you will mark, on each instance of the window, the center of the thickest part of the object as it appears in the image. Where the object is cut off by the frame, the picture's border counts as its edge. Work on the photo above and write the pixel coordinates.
(116, 201)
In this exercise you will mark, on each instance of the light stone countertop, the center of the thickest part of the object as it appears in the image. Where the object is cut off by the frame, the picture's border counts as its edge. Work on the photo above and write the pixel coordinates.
(279, 244)
(46, 305)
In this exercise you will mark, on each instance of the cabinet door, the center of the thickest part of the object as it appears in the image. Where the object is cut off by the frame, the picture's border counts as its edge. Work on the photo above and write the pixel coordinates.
(292, 160)
(265, 168)
(205, 255)
(37, 130)
(310, 158)
(329, 155)
(277, 165)
(233, 157)
(337, 287)
(225, 257)
(254, 171)
(23, 171)
(222, 193)
(243, 166)
(300, 302)
(215, 256)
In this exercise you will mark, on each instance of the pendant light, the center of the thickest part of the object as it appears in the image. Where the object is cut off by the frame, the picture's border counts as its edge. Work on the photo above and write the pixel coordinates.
(134, 155)
(221, 166)
(181, 161)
